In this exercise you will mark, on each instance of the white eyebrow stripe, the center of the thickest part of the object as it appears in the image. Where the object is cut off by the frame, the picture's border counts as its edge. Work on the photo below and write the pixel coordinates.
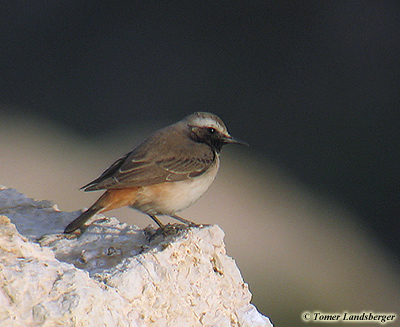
(208, 122)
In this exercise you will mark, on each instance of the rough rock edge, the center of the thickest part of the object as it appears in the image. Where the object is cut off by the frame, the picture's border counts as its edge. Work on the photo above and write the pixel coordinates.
(114, 274)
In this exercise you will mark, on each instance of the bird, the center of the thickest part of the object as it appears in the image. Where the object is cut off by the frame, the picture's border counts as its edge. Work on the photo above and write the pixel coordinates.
(166, 173)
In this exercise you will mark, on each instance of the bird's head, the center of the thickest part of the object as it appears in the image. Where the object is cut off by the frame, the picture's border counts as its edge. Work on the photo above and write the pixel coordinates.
(208, 128)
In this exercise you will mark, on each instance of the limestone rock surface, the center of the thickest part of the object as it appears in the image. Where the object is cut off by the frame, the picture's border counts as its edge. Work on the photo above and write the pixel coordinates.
(114, 274)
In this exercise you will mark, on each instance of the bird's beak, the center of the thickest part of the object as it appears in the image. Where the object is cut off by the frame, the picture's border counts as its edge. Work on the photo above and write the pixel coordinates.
(228, 139)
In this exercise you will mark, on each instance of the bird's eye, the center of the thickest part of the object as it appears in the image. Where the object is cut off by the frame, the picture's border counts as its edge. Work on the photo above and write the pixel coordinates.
(211, 130)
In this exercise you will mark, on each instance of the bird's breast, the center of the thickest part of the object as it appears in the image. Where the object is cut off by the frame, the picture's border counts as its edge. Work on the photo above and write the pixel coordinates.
(170, 197)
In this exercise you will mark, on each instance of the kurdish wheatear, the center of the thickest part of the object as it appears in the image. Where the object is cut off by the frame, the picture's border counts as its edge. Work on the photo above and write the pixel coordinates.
(166, 173)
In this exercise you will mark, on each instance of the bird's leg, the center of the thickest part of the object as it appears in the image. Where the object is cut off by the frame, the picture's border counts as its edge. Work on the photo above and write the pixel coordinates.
(182, 220)
(158, 221)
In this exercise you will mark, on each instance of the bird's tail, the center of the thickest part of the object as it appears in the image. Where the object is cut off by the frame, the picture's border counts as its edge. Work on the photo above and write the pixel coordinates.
(111, 199)
(84, 217)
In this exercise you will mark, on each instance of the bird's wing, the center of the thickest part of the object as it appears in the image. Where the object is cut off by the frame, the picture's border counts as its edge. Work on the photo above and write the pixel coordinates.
(137, 168)
(106, 175)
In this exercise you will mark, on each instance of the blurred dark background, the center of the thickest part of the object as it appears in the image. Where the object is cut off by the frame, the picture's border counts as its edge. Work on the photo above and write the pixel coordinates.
(312, 85)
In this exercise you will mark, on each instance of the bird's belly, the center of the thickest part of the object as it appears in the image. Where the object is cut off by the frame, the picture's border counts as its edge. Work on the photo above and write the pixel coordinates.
(170, 197)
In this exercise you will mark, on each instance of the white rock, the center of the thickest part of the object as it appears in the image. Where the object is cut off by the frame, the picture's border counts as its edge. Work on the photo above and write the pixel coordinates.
(114, 274)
